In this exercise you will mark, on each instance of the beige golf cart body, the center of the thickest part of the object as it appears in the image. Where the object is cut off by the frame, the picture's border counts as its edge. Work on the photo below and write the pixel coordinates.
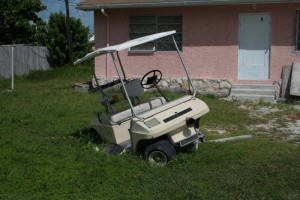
(159, 118)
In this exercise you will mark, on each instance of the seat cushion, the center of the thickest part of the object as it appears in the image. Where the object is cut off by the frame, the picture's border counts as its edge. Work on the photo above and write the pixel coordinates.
(122, 115)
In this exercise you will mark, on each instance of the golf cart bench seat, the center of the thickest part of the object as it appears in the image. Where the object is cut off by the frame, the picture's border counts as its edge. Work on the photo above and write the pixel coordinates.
(119, 116)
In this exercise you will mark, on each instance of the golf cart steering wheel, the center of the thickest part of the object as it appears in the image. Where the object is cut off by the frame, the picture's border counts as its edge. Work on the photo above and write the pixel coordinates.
(151, 79)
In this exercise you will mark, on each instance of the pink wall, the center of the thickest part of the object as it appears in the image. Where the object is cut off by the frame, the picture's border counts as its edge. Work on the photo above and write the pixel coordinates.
(210, 41)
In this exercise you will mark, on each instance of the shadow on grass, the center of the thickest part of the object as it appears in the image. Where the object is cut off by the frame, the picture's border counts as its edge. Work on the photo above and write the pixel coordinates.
(86, 135)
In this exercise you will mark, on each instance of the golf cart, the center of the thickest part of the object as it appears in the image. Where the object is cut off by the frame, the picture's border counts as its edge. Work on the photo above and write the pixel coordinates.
(155, 128)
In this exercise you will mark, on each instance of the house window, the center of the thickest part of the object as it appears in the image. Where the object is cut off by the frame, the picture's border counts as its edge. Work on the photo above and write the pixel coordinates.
(140, 26)
(297, 45)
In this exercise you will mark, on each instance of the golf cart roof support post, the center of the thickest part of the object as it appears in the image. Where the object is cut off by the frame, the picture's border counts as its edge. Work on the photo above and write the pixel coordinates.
(121, 65)
(98, 85)
(105, 99)
(184, 66)
(122, 82)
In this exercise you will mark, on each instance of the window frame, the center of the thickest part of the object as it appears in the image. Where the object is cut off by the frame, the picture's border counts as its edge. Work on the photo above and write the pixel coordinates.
(156, 24)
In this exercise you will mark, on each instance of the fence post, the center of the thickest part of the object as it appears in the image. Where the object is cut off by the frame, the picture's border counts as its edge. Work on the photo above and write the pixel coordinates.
(12, 67)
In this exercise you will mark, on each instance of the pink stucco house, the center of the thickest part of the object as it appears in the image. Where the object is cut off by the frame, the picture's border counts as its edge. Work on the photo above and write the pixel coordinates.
(240, 41)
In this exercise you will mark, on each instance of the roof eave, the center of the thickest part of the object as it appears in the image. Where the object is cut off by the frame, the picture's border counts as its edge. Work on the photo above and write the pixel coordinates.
(177, 4)
(129, 5)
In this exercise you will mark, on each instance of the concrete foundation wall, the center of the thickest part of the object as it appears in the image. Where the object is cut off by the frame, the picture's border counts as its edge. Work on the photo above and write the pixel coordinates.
(202, 86)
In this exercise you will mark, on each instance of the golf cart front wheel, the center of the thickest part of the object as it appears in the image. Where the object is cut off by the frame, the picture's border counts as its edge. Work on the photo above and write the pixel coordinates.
(158, 157)
(160, 153)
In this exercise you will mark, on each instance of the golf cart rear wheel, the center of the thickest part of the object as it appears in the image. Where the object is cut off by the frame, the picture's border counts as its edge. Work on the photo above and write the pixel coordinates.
(95, 137)
(159, 153)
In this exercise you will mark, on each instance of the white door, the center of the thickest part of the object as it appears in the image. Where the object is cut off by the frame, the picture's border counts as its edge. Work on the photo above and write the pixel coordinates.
(254, 46)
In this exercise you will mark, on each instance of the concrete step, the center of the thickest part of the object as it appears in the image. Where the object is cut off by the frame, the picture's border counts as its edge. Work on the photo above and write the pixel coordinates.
(253, 86)
(245, 97)
(253, 92)
(81, 87)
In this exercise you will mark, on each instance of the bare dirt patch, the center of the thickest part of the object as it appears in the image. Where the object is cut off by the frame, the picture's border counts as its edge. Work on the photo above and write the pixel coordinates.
(275, 122)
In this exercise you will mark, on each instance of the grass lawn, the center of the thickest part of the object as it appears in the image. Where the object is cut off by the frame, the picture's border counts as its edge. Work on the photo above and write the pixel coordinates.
(45, 152)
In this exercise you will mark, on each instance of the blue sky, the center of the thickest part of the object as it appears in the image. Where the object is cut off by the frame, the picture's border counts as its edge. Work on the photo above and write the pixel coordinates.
(53, 6)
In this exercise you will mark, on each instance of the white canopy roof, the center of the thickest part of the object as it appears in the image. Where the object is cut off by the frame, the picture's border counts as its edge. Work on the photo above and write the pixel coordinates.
(125, 45)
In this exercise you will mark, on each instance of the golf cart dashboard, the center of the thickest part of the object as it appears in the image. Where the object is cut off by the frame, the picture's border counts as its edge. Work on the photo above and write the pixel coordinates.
(152, 122)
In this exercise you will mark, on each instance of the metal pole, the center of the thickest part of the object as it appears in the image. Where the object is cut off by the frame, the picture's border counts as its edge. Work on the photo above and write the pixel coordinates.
(120, 63)
(122, 82)
(184, 66)
(12, 67)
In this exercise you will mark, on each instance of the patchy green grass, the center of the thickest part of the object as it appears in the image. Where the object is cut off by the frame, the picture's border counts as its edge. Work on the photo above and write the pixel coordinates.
(45, 152)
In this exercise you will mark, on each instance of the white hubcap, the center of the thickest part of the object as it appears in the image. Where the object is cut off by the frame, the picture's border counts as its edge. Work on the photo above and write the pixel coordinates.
(158, 158)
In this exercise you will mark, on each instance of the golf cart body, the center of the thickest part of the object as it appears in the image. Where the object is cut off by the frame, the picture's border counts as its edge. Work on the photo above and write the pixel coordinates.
(153, 126)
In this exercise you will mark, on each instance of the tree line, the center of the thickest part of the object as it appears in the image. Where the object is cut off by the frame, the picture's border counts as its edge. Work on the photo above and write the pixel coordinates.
(20, 24)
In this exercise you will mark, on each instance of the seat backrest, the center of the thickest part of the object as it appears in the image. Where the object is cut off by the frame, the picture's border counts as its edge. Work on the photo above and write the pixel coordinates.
(134, 88)
(125, 114)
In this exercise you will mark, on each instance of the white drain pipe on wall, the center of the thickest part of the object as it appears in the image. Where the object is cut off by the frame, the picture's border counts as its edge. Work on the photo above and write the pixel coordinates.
(107, 39)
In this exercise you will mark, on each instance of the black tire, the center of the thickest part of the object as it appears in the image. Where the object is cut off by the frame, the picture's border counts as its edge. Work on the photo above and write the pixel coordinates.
(159, 153)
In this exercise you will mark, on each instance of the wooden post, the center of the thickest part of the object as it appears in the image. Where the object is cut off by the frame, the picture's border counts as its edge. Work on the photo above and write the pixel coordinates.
(69, 32)
(286, 82)
(295, 79)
